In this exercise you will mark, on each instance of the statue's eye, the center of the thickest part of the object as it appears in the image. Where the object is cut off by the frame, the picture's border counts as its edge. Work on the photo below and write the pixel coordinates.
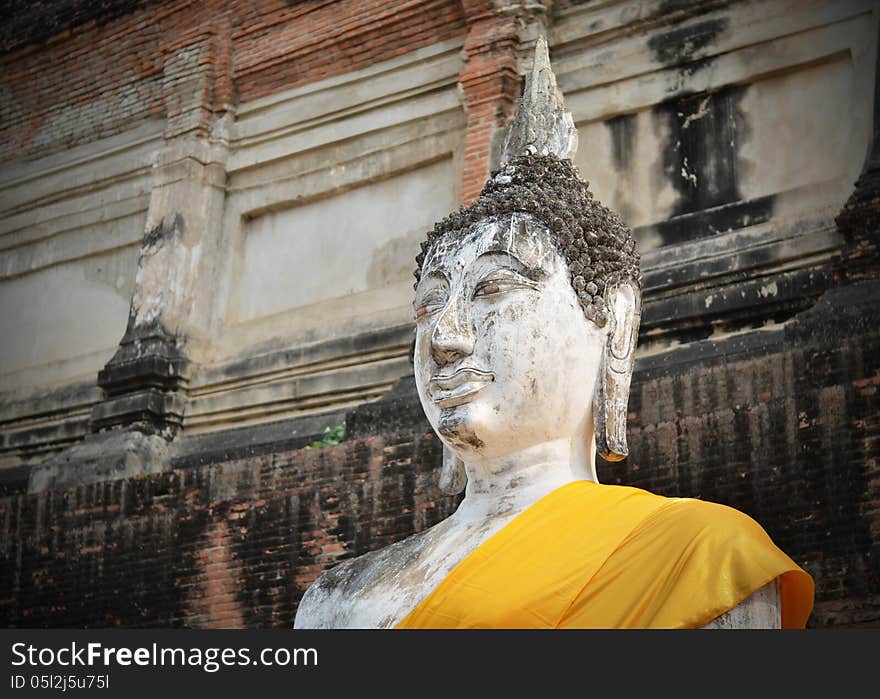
(492, 286)
(430, 303)
(502, 281)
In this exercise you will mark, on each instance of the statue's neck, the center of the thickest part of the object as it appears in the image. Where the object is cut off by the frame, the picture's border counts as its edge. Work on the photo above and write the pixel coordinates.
(515, 481)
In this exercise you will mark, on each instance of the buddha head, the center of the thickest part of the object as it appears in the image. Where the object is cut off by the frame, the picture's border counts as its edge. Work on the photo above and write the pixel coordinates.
(527, 303)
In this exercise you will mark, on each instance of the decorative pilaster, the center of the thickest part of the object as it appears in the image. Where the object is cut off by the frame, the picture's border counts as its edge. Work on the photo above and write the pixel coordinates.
(490, 86)
(501, 33)
(145, 381)
(533, 18)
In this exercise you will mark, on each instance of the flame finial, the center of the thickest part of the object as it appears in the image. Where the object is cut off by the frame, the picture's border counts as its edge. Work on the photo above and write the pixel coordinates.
(542, 125)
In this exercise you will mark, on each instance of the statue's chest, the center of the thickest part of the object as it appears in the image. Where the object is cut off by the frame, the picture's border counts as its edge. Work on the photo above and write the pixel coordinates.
(394, 594)
(397, 587)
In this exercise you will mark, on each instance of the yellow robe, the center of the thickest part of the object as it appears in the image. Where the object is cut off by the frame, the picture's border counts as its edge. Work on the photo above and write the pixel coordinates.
(604, 556)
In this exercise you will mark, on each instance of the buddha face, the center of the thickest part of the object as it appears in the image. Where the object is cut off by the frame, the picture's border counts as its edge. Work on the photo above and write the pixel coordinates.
(504, 357)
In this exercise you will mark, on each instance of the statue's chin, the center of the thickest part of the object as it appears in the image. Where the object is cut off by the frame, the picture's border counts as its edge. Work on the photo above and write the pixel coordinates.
(459, 427)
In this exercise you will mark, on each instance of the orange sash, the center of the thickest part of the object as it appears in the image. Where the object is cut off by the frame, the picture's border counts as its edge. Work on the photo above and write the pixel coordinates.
(603, 556)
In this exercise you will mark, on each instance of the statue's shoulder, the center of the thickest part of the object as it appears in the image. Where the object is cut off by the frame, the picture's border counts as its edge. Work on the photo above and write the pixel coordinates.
(328, 601)
(717, 523)
(686, 517)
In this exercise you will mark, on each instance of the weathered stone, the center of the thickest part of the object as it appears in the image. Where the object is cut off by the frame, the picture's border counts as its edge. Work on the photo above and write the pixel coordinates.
(678, 107)
(108, 456)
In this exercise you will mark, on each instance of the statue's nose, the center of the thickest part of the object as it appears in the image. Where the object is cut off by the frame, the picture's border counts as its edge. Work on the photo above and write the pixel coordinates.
(453, 335)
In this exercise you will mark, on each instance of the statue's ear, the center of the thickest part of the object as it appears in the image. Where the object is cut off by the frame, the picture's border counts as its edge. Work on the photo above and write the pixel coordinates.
(612, 389)
(453, 477)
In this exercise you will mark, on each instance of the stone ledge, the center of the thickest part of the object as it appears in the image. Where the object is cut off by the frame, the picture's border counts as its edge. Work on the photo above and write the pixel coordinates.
(255, 440)
(839, 314)
(101, 457)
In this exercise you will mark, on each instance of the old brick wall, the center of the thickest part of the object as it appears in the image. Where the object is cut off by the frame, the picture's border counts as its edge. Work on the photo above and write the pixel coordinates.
(116, 65)
(224, 545)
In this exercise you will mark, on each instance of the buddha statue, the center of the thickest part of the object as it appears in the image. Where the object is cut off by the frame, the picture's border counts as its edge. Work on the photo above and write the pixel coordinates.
(527, 307)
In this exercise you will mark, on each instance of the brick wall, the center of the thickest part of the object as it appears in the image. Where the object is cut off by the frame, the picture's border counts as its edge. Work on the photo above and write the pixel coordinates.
(89, 83)
(226, 545)
(188, 61)
(281, 45)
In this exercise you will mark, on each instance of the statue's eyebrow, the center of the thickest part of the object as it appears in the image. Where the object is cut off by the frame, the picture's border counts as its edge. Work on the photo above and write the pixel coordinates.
(435, 275)
(512, 262)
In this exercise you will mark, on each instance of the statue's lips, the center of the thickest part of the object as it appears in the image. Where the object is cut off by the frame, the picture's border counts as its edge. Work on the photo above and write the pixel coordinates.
(458, 388)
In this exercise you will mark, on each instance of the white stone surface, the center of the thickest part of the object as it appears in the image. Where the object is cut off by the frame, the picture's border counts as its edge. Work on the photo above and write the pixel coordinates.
(762, 610)
(61, 314)
(70, 224)
(366, 238)
(790, 139)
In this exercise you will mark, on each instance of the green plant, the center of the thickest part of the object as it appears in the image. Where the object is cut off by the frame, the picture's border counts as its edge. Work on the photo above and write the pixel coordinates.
(332, 435)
